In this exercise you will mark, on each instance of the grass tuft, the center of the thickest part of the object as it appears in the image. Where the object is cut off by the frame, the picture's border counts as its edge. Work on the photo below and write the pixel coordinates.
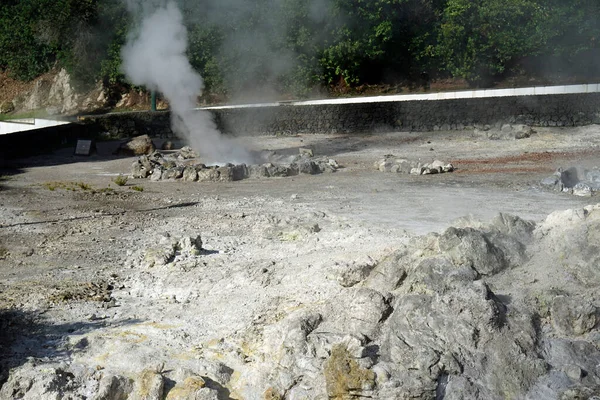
(120, 180)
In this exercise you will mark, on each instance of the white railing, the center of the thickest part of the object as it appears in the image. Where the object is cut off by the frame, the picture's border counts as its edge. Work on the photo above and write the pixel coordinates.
(464, 94)
(27, 124)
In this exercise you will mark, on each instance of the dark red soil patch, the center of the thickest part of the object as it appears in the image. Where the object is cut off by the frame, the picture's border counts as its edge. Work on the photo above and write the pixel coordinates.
(545, 156)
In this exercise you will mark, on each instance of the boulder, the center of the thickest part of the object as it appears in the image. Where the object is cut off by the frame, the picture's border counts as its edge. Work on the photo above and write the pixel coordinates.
(149, 385)
(137, 146)
(190, 174)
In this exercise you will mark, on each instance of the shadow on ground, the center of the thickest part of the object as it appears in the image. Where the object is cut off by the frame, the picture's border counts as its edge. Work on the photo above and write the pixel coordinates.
(27, 335)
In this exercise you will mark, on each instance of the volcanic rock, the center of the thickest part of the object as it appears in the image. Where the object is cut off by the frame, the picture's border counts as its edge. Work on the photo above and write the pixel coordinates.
(574, 180)
(403, 166)
(137, 146)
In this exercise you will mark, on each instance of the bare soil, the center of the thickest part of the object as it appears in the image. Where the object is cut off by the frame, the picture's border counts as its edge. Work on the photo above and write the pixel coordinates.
(72, 242)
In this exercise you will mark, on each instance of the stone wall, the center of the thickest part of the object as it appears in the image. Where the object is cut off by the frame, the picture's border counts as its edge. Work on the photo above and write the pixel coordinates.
(413, 115)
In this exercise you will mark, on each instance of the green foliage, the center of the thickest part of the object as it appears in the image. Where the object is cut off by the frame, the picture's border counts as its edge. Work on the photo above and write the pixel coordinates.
(480, 40)
(120, 180)
(292, 46)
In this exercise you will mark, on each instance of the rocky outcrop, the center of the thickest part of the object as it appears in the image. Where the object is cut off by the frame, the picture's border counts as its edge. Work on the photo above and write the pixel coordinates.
(181, 165)
(137, 146)
(578, 181)
(502, 310)
(391, 163)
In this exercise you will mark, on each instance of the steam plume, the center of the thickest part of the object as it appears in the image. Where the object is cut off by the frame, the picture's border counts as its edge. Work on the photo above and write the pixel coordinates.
(155, 56)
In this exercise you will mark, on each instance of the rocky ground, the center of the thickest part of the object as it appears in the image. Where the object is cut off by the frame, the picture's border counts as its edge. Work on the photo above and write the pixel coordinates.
(308, 286)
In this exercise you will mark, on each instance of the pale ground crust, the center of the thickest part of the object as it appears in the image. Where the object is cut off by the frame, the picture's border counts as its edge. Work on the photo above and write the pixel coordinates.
(269, 245)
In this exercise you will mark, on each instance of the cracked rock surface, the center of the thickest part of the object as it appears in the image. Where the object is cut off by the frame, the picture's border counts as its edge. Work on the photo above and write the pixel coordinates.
(344, 286)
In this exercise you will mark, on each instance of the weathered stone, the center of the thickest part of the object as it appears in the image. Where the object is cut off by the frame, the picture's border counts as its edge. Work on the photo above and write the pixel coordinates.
(522, 131)
(437, 165)
(149, 385)
(306, 152)
(189, 245)
(189, 389)
(272, 394)
(137, 146)
(573, 372)
(551, 181)
(345, 379)
(113, 387)
(573, 316)
(388, 274)
(240, 172)
(326, 167)
(257, 171)
(448, 168)
(350, 274)
(172, 173)
(190, 174)
(582, 189)
(361, 316)
(186, 153)
(225, 173)
(208, 175)
(157, 173)
(472, 248)
(385, 165)
(277, 170)
(307, 167)
(139, 170)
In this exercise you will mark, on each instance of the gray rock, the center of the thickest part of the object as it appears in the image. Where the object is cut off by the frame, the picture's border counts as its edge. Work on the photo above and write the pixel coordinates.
(350, 274)
(257, 171)
(190, 174)
(149, 385)
(186, 153)
(172, 173)
(225, 173)
(306, 152)
(522, 131)
(459, 388)
(156, 174)
(578, 359)
(139, 170)
(573, 315)
(208, 175)
(389, 273)
(385, 165)
(573, 372)
(307, 167)
(582, 189)
(473, 249)
(113, 387)
(593, 176)
(240, 172)
(277, 170)
(137, 146)
(360, 315)
(551, 181)
(190, 245)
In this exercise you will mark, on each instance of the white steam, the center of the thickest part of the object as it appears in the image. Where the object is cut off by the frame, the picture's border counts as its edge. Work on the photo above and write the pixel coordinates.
(155, 56)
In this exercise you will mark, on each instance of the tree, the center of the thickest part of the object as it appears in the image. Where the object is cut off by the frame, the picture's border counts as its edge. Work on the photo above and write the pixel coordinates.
(483, 39)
